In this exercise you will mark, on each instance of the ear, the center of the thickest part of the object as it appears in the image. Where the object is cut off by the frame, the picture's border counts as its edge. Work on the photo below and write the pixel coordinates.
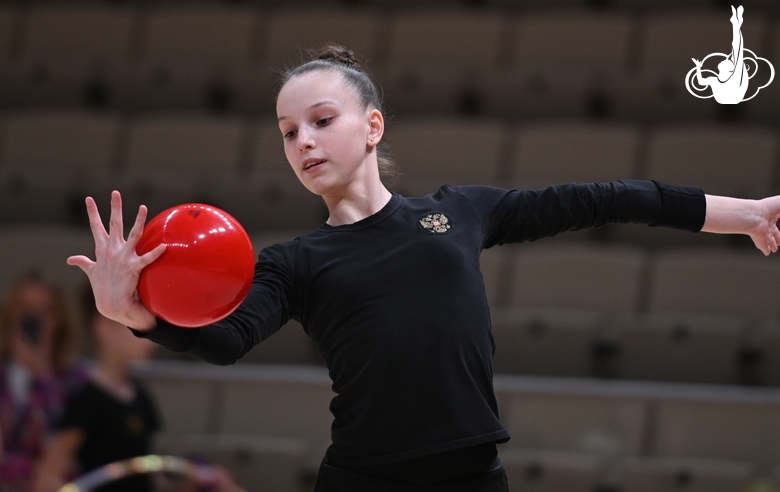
(376, 128)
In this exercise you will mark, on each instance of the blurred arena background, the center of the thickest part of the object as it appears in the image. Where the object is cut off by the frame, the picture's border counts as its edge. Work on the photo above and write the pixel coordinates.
(641, 360)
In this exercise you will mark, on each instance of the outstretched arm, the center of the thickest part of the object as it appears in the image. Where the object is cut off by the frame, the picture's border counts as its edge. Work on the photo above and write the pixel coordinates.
(755, 218)
(701, 80)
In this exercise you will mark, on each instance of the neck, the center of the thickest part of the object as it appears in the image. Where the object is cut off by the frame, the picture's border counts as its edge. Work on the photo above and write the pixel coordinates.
(357, 203)
(113, 374)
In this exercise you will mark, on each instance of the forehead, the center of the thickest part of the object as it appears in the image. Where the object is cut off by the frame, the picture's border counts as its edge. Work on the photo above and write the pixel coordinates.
(303, 91)
(33, 295)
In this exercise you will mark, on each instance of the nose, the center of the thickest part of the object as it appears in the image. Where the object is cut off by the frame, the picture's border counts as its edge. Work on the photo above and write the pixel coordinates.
(305, 140)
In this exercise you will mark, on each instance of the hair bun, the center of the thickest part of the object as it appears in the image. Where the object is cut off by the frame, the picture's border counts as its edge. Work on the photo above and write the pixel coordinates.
(339, 54)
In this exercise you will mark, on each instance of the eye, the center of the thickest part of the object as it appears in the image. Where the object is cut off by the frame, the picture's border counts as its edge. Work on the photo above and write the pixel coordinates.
(324, 121)
(289, 134)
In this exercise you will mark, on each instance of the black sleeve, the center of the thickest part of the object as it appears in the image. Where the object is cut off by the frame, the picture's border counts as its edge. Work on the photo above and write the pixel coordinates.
(267, 306)
(516, 216)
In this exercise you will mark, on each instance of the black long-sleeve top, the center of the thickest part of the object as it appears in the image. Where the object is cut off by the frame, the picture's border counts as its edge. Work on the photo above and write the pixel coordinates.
(397, 306)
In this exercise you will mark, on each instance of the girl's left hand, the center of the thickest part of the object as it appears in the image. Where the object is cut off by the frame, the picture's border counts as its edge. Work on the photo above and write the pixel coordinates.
(755, 218)
(765, 234)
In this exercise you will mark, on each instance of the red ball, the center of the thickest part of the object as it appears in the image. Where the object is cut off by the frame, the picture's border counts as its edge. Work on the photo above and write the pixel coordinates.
(205, 271)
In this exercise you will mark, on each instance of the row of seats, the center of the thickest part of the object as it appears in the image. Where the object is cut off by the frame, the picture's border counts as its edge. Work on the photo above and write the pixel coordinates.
(270, 424)
(239, 164)
(640, 5)
(571, 63)
(569, 37)
(697, 314)
(693, 314)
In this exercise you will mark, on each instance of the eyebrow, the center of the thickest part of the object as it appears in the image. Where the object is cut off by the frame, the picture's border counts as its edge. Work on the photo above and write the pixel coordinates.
(315, 105)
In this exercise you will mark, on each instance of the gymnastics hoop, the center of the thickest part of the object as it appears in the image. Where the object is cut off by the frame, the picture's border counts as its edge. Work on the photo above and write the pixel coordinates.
(137, 466)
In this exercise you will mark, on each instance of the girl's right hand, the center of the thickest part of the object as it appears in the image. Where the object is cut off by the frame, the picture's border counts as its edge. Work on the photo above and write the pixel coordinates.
(114, 273)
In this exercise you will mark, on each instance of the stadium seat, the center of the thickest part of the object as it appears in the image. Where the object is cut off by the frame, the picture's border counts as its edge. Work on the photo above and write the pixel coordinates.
(716, 428)
(656, 91)
(697, 348)
(198, 401)
(556, 153)
(650, 5)
(546, 471)
(598, 41)
(179, 158)
(608, 426)
(48, 183)
(412, 4)
(266, 194)
(677, 474)
(68, 52)
(766, 105)
(759, 360)
(544, 341)
(259, 463)
(8, 23)
(189, 59)
(431, 70)
(435, 151)
(292, 404)
(291, 31)
(727, 282)
(560, 63)
(603, 279)
(288, 34)
(714, 158)
(44, 249)
(186, 405)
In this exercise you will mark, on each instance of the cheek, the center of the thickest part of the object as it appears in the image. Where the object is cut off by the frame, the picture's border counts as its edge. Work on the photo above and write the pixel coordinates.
(290, 152)
(48, 327)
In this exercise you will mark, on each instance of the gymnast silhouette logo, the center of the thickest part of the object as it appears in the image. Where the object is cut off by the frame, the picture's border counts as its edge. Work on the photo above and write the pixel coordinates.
(730, 84)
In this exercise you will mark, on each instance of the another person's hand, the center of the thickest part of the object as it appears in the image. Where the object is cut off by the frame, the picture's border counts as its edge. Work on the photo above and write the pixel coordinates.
(114, 273)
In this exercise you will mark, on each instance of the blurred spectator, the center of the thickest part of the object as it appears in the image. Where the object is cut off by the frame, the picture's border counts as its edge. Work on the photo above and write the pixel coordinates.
(37, 348)
(112, 417)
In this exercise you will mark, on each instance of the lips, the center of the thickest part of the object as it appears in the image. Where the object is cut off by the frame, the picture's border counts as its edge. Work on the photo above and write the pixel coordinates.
(311, 164)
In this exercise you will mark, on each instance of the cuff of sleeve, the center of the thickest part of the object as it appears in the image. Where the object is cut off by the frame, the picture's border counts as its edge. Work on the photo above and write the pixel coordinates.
(681, 207)
(170, 336)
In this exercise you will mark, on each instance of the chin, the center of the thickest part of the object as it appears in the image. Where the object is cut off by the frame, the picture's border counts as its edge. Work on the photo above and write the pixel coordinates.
(322, 188)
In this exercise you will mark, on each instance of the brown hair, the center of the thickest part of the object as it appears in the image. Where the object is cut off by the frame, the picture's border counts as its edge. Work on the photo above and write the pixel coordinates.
(65, 337)
(343, 61)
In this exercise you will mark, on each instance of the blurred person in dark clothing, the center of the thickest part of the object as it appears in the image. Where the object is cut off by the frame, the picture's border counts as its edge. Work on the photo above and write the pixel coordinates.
(37, 351)
(109, 418)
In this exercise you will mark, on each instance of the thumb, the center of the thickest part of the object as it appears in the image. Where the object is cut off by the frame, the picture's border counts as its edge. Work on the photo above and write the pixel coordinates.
(82, 262)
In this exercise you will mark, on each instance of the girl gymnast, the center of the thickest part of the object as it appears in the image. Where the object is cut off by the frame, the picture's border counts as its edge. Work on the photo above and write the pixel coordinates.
(390, 287)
